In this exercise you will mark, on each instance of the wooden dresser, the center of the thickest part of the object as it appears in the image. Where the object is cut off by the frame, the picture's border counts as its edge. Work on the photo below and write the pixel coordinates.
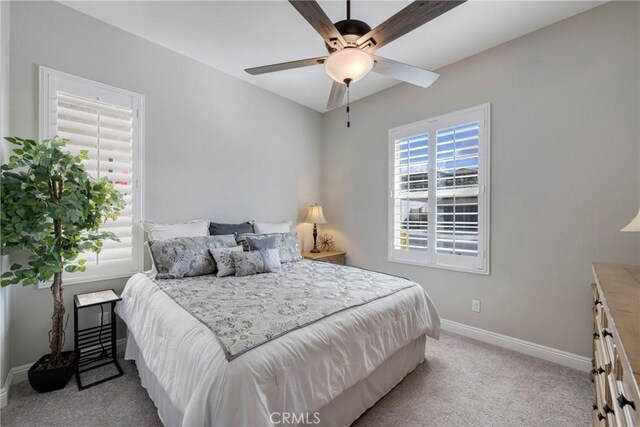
(616, 345)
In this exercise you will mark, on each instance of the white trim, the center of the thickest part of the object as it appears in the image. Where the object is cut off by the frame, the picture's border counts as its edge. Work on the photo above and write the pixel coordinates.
(75, 280)
(560, 357)
(430, 258)
(18, 374)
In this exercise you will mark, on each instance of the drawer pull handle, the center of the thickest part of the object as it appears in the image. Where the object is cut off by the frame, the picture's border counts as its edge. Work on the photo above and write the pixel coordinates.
(595, 406)
(596, 335)
(596, 302)
(606, 408)
(600, 370)
(605, 332)
(622, 401)
(600, 416)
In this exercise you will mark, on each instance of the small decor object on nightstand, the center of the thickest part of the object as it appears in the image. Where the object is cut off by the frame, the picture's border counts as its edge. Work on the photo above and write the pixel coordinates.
(326, 242)
(333, 257)
(96, 346)
(315, 217)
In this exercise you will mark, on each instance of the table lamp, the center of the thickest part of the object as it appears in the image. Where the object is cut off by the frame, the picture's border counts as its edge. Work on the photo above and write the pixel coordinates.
(315, 217)
(634, 225)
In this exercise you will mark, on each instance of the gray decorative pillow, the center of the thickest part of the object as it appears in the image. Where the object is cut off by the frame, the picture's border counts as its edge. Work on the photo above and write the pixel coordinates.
(186, 256)
(264, 261)
(257, 243)
(216, 228)
(224, 260)
(288, 248)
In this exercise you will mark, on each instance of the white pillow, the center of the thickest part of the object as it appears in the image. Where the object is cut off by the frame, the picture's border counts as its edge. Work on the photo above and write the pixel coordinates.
(271, 227)
(194, 228)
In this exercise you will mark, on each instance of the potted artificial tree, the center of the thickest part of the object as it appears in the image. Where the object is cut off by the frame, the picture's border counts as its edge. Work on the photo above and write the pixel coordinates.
(52, 210)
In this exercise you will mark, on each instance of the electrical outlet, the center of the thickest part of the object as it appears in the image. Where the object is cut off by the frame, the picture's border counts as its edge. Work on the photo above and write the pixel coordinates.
(106, 318)
(475, 305)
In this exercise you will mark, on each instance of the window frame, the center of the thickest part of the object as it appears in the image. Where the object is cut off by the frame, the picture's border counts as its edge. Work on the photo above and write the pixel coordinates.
(47, 130)
(430, 258)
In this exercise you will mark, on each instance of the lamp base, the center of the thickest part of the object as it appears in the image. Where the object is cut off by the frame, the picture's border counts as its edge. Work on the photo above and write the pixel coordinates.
(315, 249)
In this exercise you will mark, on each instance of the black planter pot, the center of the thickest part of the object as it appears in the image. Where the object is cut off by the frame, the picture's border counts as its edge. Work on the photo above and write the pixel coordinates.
(44, 380)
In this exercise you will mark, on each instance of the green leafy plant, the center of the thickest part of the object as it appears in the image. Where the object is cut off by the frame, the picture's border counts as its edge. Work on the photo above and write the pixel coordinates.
(52, 209)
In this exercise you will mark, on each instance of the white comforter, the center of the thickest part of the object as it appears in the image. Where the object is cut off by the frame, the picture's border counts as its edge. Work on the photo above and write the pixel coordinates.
(299, 372)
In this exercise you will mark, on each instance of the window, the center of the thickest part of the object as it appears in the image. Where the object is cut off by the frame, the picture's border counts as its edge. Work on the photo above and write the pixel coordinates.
(439, 191)
(106, 122)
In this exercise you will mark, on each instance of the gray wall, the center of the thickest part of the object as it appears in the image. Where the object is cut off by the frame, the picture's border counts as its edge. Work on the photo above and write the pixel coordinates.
(216, 147)
(565, 161)
(4, 127)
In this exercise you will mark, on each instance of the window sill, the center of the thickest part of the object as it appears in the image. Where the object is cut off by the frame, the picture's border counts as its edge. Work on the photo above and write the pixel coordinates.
(88, 279)
(484, 272)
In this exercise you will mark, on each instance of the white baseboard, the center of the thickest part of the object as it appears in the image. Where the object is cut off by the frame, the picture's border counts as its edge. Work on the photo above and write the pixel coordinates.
(521, 346)
(18, 374)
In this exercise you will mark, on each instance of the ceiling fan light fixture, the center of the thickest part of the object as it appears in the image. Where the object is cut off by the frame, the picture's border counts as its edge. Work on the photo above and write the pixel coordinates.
(348, 65)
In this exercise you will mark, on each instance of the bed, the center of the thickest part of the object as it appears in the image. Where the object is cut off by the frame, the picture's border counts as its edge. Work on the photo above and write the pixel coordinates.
(313, 343)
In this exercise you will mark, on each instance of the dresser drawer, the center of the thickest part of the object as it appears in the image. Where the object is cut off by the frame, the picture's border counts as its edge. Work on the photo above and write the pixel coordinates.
(616, 345)
(335, 259)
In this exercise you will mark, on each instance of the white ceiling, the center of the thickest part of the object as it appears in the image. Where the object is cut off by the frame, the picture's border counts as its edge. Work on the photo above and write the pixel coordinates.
(233, 35)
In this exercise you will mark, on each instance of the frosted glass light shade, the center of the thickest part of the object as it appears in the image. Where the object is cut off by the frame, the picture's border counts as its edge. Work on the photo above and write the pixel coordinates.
(315, 215)
(348, 64)
(634, 225)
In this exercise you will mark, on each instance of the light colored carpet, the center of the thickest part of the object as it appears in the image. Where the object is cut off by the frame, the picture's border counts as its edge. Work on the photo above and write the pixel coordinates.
(463, 382)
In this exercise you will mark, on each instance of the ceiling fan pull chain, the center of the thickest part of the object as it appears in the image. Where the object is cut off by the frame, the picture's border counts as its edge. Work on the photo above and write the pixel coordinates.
(348, 9)
(348, 101)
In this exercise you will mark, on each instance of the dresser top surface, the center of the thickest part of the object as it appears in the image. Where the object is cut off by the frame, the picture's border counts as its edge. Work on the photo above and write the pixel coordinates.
(620, 290)
(323, 254)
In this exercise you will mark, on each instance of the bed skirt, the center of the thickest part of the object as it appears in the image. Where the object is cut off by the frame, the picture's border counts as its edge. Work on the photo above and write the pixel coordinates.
(340, 412)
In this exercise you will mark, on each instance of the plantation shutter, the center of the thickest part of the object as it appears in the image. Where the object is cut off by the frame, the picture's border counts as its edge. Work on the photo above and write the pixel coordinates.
(105, 122)
(410, 193)
(457, 190)
(438, 202)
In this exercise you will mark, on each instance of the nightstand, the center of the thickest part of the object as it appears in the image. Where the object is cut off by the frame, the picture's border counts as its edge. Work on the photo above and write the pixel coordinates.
(334, 257)
(96, 346)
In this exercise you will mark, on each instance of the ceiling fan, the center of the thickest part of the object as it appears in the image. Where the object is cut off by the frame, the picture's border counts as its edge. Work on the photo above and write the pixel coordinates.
(351, 44)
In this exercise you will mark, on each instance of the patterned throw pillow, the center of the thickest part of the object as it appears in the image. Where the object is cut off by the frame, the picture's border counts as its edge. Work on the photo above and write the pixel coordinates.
(224, 260)
(264, 261)
(187, 256)
(288, 248)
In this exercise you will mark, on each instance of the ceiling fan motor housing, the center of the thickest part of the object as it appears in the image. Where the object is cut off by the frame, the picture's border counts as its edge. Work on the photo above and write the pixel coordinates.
(351, 30)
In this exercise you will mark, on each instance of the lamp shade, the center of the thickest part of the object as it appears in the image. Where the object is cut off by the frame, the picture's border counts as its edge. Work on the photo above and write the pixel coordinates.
(315, 215)
(634, 225)
(348, 65)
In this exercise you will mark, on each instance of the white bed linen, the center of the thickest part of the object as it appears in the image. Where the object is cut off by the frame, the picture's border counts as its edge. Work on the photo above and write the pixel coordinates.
(299, 372)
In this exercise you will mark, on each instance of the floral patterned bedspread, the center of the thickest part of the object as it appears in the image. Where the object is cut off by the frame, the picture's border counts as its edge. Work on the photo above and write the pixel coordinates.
(245, 312)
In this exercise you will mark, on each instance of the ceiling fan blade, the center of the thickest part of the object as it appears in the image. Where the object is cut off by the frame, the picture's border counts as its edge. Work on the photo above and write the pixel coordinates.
(405, 72)
(408, 19)
(286, 65)
(313, 13)
(338, 90)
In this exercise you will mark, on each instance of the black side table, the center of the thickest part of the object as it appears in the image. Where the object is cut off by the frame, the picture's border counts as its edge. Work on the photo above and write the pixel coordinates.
(96, 346)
